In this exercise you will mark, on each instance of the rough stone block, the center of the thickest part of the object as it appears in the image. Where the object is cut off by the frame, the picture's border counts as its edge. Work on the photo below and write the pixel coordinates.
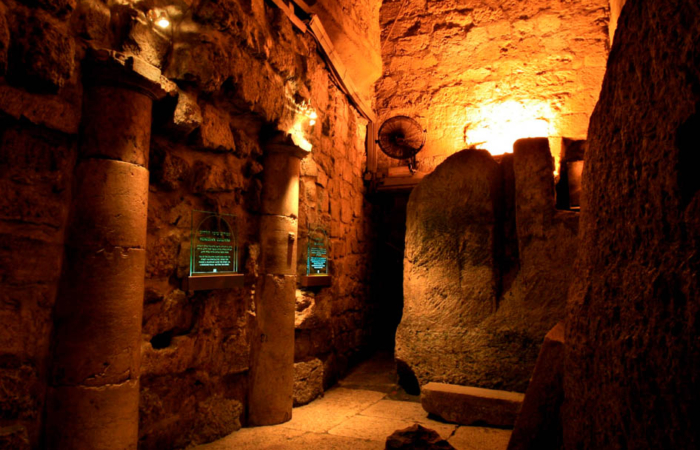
(216, 417)
(417, 437)
(534, 188)
(450, 271)
(468, 405)
(4, 39)
(188, 115)
(214, 178)
(51, 111)
(203, 61)
(91, 20)
(539, 426)
(14, 438)
(21, 391)
(60, 8)
(41, 54)
(308, 381)
(215, 132)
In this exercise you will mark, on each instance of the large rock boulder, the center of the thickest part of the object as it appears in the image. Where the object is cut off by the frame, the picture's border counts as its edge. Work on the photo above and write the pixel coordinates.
(450, 272)
(487, 266)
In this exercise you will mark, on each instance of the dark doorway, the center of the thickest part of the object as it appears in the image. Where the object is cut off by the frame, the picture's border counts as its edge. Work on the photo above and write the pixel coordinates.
(387, 286)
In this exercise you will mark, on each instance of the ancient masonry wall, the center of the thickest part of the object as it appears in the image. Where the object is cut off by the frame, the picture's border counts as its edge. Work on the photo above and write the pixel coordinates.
(239, 66)
(486, 73)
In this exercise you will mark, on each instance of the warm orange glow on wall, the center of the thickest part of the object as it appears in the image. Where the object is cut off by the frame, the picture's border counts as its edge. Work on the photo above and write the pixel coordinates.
(304, 118)
(299, 134)
(495, 127)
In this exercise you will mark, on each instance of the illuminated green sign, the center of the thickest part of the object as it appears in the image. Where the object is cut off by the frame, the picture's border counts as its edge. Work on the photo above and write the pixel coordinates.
(317, 251)
(214, 242)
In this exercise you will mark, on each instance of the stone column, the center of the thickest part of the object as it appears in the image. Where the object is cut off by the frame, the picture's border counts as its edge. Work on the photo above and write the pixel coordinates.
(272, 366)
(93, 393)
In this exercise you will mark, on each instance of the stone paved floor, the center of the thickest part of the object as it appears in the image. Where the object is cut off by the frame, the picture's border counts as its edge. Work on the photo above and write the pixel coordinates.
(358, 414)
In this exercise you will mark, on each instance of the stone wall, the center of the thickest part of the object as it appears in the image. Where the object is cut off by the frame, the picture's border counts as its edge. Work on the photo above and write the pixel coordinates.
(485, 73)
(353, 26)
(38, 131)
(239, 68)
(631, 372)
(334, 322)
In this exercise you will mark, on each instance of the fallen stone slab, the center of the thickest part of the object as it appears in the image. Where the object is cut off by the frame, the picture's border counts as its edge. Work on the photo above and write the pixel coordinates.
(417, 437)
(468, 405)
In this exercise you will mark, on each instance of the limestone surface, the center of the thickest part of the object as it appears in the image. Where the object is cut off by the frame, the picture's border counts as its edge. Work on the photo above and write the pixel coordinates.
(486, 271)
(468, 405)
(633, 354)
(308, 381)
(486, 73)
(450, 272)
(539, 426)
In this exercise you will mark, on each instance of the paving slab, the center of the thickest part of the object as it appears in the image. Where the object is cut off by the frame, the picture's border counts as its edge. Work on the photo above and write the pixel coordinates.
(316, 441)
(270, 437)
(336, 406)
(378, 429)
(393, 409)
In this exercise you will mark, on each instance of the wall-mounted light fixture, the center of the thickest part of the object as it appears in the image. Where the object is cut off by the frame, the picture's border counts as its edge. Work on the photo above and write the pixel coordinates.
(160, 18)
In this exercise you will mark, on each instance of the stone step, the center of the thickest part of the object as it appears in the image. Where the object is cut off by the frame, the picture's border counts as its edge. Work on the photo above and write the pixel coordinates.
(468, 405)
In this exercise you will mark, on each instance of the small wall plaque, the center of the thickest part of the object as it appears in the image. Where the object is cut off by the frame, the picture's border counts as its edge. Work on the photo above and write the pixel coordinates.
(317, 273)
(213, 252)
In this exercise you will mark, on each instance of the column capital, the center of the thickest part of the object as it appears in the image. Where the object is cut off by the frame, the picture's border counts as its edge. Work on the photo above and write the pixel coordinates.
(282, 143)
(110, 67)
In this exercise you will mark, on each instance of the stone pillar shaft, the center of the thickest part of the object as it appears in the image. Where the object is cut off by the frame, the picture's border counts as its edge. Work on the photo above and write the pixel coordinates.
(272, 367)
(94, 380)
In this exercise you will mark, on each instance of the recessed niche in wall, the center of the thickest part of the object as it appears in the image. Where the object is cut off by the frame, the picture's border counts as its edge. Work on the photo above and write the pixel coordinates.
(213, 252)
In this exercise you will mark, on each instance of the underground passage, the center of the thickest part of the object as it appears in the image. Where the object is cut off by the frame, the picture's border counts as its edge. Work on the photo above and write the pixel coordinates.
(349, 224)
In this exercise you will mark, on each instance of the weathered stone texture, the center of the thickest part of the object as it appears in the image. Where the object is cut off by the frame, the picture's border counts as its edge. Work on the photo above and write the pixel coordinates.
(308, 381)
(4, 39)
(41, 52)
(195, 344)
(35, 178)
(467, 405)
(539, 425)
(479, 296)
(633, 354)
(240, 67)
(450, 273)
(470, 69)
(417, 437)
(333, 323)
